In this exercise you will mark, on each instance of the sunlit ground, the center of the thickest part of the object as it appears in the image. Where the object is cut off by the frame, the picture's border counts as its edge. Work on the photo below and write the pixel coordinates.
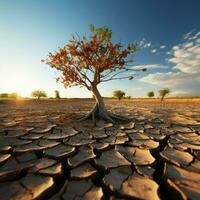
(39, 137)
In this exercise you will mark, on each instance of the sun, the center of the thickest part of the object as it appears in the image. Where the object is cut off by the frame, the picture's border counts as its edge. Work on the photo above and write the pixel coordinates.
(17, 81)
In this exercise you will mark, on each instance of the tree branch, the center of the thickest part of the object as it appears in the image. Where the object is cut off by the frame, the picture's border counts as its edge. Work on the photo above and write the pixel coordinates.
(118, 78)
(121, 72)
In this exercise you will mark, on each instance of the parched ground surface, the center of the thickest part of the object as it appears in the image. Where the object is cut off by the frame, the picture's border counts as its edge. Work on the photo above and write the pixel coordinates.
(45, 154)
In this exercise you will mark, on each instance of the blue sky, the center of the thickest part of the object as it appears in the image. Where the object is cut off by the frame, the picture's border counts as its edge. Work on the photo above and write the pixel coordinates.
(168, 33)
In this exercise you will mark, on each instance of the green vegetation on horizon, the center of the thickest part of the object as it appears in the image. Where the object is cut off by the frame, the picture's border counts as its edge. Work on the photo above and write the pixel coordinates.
(12, 95)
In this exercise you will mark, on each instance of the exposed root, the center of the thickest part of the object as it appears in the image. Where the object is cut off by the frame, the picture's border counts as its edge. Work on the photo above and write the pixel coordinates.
(120, 118)
(97, 113)
(106, 116)
(91, 114)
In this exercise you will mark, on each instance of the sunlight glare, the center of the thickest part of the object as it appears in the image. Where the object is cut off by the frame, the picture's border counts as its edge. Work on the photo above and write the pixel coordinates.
(18, 81)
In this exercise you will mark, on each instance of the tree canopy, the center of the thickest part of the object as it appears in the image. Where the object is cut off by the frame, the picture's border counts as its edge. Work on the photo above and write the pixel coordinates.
(163, 92)
(118, 94)
(92, 60)
(38, 94)
(150, 94)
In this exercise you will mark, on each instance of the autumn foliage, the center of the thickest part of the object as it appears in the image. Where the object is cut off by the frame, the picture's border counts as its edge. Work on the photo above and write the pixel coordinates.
(88, 61)
(96, 55)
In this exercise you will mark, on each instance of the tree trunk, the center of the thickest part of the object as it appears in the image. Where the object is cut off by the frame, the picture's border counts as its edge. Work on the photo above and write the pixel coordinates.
(100, 111)
(99, 100)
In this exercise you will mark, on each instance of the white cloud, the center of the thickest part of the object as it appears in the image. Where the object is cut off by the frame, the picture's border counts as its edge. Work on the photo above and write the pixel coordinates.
(151, 66)
(162, 46)
(153, 50)
(190, 44)
(187, 35)
(170, 78)
(175, 47)
(193, 37)
(181, 92)
(186, 56)
(186, 70)
(144, 43)
(198, 40)
(147, 45)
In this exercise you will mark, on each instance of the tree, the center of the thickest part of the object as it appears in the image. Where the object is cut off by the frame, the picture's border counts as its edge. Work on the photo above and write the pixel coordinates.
(4, 95)
(13, 95)
(150, 94)
(163, 93)
(57, 94)
(118, 94)
(38, 94)
(89, 61)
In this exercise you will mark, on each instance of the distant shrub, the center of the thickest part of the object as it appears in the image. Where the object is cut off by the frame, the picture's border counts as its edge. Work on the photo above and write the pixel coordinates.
(13, 95)
(57, 94)
(4, 95)
(150, 94)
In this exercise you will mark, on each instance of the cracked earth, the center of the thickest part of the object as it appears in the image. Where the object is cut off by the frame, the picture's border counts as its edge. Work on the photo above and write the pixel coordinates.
(46, 154)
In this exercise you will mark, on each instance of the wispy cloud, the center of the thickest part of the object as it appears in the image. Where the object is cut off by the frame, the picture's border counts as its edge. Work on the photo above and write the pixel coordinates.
(187, 35)
(186, 56)
(144, 43)
(151, 66)
(170, 78)
(181, 92)
(148, 45)
(186, 59)
(162, 46)
(153, 50)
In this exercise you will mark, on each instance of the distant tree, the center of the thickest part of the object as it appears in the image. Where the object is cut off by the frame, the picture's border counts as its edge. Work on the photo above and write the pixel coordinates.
(89, 61)
(150, 94)
(163, 93)
(118, 94)
(128, 97)
(4, 95)
(13, 95)
(57, 94)
(38, 94)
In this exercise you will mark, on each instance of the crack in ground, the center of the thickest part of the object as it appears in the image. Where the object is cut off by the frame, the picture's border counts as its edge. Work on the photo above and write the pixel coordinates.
(60, 182)
(159, 168)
